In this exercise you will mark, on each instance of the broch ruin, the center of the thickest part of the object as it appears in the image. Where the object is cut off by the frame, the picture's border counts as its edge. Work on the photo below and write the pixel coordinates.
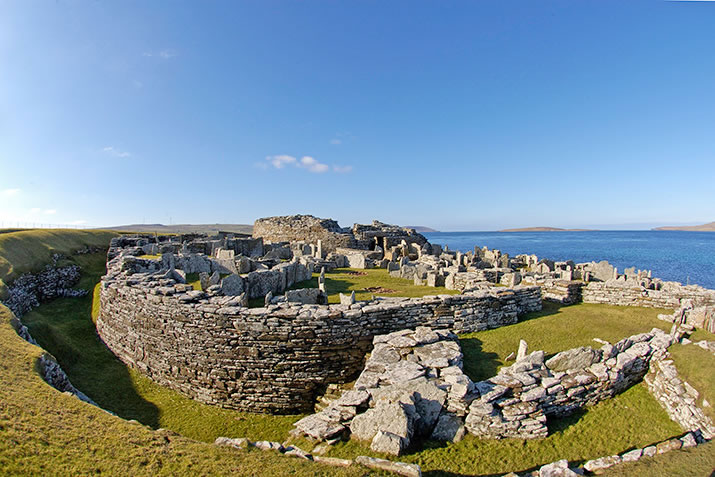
(402, 353)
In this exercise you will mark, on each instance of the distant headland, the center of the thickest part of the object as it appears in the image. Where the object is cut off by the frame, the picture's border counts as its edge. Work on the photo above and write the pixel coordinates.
(420, 228)
(709, 227)
(544, 229)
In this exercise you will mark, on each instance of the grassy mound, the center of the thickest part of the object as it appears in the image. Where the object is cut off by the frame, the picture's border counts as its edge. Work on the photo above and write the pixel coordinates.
(30, 250)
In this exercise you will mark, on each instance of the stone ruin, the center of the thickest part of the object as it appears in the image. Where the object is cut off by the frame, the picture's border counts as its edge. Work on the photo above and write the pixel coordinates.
(413, 388)
(211, 346)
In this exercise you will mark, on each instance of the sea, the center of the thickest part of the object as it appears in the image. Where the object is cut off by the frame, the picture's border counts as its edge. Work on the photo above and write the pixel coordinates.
(685, 257)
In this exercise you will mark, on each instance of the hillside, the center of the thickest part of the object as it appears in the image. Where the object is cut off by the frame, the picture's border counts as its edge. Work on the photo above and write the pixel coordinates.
(709, 227)
(420, 228)
(184, 228)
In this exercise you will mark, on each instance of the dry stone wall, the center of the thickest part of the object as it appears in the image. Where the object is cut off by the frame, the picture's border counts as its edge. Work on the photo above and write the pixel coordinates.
(625, 293)
(291, 228)
(271, 359)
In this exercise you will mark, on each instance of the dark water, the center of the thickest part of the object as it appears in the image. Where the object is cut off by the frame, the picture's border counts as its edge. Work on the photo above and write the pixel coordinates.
(686, 257)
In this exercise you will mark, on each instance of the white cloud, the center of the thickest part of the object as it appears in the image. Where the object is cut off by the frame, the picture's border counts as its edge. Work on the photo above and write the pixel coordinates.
(336, 141)
(312, 165)
(342, 169)
(49, 211)
(280, 161)
(113, 151)
(306, 162)
(11, 192)
(77, 222)
(35, 210)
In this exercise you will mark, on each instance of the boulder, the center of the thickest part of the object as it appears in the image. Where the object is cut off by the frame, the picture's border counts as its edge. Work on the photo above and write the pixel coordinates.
(576, 358)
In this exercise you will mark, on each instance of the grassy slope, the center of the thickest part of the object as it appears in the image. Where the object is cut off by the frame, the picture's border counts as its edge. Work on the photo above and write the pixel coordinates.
(30, 250)
(45, 432)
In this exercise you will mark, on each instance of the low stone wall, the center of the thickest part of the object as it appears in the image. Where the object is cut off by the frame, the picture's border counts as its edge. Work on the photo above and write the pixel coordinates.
(670, 295)
(562, 291)
(276, 358)
(678, 398)
(517, 402)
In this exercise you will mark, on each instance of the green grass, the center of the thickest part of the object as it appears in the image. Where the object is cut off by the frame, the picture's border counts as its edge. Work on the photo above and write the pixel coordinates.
(697, 366)
(31, 250)
(45, 432)
(553, 329)
(696, 461)
(346, 280)
(150, 257)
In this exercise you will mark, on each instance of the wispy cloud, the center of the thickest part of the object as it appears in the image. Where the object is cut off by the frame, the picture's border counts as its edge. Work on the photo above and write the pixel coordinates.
(164, 54)
(342, 169)
(280, 161)
(49, 211)
(335, 141)
(137, 84)
(312, 165)
(306, 162)
(77, 222)
(113, 151)
(11, 192)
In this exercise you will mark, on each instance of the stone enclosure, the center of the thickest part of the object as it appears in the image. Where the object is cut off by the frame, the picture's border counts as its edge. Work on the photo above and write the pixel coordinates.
(209, 345)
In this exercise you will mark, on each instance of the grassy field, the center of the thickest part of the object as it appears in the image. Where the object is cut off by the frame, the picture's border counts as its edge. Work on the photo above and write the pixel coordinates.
(30, 250)
(347, 280)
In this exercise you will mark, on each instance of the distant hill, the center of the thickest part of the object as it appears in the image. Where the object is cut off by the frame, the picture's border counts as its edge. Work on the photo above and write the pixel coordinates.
(420, 228)
(184, 228)
(709, 227)
(544, 229)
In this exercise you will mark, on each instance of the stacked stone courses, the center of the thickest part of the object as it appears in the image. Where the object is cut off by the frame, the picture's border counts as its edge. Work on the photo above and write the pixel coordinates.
(275, 358)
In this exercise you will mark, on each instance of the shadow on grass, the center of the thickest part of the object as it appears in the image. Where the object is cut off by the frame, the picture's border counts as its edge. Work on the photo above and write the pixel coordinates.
(64, 328)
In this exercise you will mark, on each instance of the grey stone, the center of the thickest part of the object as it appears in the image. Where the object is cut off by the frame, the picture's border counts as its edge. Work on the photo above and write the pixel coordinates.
(232, 285)
(448, 428)
(387, 442)
(400, 468)
(576, 358)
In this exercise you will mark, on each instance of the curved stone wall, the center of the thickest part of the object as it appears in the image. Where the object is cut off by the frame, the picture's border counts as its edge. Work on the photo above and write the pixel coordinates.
(272, 359)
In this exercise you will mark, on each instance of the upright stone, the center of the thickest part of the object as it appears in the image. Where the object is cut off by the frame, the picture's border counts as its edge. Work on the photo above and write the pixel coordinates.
(523, 350)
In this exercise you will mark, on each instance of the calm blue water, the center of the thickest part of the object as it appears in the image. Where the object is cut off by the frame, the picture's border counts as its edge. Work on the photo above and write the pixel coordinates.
(671, 255)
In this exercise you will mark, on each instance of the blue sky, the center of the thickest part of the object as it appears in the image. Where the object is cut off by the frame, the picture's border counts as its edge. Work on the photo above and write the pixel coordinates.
(456, 115)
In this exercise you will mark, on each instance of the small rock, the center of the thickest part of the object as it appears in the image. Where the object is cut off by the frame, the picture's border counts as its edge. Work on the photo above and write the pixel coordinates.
(238, 443)
(401, 468)
(334, 461)
(268, 445)
(688, 440)
(649, 451)
(557, 469)
(632, 456)
(602, 463)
